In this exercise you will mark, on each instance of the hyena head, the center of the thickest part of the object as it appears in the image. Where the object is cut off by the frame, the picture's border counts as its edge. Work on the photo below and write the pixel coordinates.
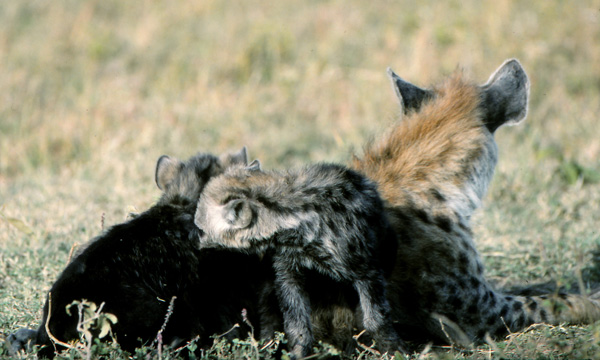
(442, 155)
(182, 181)
(504, 97)
(226, 212)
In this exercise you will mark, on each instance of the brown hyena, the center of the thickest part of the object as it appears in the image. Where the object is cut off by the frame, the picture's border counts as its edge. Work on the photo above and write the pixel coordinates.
(432, 169)
(323, 217)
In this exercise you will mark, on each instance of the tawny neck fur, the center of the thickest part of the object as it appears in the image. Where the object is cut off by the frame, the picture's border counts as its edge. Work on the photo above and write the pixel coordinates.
(425, 159)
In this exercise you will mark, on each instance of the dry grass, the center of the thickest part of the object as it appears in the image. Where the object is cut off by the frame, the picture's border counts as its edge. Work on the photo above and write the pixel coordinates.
(92, 93)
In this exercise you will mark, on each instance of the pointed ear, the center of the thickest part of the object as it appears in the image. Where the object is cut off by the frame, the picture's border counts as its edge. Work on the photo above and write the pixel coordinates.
(505, 96)
(410, 96)
(239, 157)
(238, 213)
(167, 168)
(254, 166)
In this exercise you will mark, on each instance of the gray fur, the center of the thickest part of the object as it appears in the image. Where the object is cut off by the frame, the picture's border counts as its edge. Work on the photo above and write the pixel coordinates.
(184, 181)
(505, 95)
(480, 176)
(20, 341)
(505, 99)
(324, 217)
(410, 96)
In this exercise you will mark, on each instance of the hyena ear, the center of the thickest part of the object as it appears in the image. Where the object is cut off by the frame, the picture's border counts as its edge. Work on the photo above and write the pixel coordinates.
(410, 96)
(235, 158)
(238, 213)
(254, 166)
(167, 168)
(505, 96)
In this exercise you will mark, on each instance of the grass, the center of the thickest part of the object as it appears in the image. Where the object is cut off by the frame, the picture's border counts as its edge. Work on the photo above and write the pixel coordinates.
(93, 92)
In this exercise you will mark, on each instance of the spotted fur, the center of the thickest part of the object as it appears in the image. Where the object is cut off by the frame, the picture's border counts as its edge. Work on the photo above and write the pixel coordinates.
(325, 218)
(433, 168)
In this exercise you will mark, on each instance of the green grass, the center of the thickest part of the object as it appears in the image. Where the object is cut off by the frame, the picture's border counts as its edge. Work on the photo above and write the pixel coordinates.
(92, 93)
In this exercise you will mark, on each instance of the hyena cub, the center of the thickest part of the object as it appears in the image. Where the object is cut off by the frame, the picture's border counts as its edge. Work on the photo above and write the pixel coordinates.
(182, 181)
(324, 217)
(137, 267)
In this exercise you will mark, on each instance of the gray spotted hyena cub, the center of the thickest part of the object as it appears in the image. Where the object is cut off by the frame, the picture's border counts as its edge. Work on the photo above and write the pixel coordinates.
(324, 217)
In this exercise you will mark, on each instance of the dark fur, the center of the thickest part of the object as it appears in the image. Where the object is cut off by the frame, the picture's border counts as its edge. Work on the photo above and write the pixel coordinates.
(326, 218)
(135, 268)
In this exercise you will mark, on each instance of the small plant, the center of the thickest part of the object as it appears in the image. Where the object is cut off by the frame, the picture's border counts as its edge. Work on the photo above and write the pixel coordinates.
(92, 325)
(91, 320)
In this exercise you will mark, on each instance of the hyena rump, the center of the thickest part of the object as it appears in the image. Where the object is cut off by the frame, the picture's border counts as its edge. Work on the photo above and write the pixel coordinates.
(324, 217)
(432, 169)
(136, 268)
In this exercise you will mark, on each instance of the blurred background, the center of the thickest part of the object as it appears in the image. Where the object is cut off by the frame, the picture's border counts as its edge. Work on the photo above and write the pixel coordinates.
(93, 92)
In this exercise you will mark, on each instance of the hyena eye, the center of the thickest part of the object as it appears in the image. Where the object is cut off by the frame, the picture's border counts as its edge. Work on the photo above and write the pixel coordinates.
(230, 198)
(235, 195)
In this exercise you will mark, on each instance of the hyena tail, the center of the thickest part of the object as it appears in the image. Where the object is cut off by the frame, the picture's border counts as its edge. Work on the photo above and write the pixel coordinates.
(516, 313)
(550, 309)
(442, 155)
(564, 308)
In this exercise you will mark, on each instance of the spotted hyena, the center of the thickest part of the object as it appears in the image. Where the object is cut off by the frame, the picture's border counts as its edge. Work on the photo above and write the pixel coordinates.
(432, 169)
(324, 217)
(138, 267)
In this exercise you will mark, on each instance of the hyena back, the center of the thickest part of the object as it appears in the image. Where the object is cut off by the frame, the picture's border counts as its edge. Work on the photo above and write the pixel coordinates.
(326, 218)
(432, 169)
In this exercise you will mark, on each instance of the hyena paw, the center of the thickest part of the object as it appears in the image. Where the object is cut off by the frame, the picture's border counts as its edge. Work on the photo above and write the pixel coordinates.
(21, 340)
(390, 344)
(298, 352)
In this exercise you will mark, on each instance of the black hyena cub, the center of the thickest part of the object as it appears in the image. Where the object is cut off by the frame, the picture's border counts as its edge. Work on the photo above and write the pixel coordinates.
(324, 217)
(138, 267)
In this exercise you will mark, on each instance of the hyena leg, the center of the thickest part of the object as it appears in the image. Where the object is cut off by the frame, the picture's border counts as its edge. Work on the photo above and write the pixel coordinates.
(376, 314)
(22, 340)
(295, 305)
(270, 320)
